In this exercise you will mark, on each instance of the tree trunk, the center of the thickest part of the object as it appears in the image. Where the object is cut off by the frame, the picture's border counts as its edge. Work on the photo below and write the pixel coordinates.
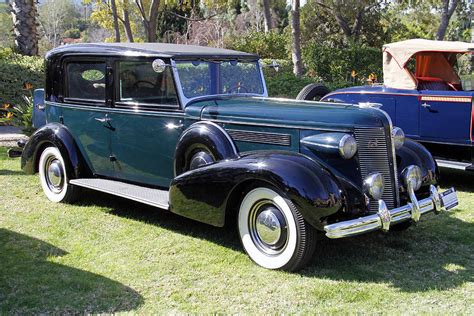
(267, 16)
(152, 20)
(126, 22)
(296, 38)
(24, 27)
(113, 6)
(448, 9)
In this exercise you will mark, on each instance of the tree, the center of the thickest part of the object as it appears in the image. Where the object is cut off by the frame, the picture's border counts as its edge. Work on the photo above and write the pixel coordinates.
(267, 16)
(149, 15)
(113, 7)
(349, 15)
(24, 27)
(296, 38)
(55, 17)
(447, 12)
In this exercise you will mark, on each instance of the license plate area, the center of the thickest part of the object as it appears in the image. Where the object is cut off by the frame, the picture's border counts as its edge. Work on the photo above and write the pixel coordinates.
(449, 199)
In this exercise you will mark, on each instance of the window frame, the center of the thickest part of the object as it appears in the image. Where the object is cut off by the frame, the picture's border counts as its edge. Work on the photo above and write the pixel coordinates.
(85, 59)
(117, 103)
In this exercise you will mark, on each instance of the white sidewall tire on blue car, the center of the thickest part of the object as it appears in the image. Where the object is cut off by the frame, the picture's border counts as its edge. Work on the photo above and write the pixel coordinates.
(53, 177)
(295, 247)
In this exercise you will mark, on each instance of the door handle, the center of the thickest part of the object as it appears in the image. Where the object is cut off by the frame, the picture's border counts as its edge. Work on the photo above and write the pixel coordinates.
(103, 120)
(425, 105)
(40, 107)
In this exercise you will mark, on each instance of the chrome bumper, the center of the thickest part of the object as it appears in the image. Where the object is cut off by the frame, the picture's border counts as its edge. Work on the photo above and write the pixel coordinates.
(384, 217)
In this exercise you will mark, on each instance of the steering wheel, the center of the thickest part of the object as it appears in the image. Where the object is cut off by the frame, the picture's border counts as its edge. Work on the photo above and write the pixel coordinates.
(238, 88)
(137, 84)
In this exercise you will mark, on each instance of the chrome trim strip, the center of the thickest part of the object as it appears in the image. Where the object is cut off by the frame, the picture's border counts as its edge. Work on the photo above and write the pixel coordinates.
(394, 157)
(234, 122)
(384, 218)
(260, 137)
(421, 140)
(178, 114)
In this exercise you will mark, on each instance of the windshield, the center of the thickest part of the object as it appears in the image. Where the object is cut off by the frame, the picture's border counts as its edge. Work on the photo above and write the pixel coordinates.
(202, 78)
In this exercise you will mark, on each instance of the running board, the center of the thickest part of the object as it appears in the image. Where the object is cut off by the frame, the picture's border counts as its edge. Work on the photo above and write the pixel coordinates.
(153, 197)
(454, 164)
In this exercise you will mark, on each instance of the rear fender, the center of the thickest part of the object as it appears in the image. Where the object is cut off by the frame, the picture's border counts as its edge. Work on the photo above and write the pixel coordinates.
(57, 135)
(204, 194)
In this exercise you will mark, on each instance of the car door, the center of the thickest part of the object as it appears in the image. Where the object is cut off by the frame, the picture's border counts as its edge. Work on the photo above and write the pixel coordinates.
(84, 110)
(147, 122)
(445, 116)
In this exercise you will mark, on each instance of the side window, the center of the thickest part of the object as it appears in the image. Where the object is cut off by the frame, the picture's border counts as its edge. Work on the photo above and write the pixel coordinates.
(86, 81)
(139, 83)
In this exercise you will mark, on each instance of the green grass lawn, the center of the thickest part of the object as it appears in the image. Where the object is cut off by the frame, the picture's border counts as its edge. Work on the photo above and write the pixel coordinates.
(106, 254)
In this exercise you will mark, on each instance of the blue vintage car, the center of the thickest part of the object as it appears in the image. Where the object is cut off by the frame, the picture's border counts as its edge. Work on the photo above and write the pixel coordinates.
(191, 129)
(426, 95)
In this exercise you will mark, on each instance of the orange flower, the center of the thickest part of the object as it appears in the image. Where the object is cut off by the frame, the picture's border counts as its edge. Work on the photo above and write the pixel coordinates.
(353, 74)
(9, 115)
(27, 86)
(6, 106)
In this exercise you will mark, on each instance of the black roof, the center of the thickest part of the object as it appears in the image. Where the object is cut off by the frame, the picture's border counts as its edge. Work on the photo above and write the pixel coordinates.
(151, 49)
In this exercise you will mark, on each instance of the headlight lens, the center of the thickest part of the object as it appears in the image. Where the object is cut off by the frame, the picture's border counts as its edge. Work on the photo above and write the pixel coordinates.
(373, 185)
(347, 146)
(412, 175)
(398, 137)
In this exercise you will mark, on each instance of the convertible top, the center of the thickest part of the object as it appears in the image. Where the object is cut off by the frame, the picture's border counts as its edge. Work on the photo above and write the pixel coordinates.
(152, 49)
(439, 53)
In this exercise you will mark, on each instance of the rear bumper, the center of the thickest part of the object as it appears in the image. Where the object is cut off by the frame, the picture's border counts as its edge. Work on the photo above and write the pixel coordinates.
(384, 217)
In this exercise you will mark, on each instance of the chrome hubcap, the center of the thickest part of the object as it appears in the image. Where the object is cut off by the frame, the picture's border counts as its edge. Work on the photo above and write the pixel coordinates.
(54, 174)
(200, 159)
(268, 227)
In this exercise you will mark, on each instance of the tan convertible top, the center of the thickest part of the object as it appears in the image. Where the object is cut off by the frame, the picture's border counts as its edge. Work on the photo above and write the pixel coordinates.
(396, 56)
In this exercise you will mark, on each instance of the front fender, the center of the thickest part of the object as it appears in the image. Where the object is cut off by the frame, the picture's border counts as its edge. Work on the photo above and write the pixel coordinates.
(57, 135)
(204, 194)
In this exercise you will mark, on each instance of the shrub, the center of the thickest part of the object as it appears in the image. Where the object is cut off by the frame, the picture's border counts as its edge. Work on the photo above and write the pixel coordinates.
(343, 66)
(72, 33)
(270, 45)
(21, 115)
(18, 73)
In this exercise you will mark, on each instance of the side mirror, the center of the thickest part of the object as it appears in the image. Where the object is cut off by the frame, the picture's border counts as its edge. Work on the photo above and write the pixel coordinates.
(273, 65)
(158, 65)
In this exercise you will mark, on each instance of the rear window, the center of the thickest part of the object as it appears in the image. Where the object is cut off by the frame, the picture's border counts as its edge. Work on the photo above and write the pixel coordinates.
(86, 81)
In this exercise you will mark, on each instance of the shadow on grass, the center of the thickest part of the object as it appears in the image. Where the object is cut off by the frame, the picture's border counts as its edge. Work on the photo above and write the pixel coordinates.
(437, 254)
(461, 180)
(6, 172)
(29, 283)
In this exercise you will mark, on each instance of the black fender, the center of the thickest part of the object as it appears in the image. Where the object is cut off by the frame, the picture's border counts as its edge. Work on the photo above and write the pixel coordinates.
(206, 194)
(413, 153)
(203, 135)
(59, 136)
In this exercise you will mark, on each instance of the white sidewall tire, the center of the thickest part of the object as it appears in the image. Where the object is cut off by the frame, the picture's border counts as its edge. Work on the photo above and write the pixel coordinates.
(45, 155)
(276, 261)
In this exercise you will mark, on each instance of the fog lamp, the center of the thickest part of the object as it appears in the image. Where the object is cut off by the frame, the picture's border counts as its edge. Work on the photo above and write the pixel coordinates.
(412, 175)
(373, 185)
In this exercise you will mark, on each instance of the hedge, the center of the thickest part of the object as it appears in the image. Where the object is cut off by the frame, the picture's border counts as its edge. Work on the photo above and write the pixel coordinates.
(18, 72)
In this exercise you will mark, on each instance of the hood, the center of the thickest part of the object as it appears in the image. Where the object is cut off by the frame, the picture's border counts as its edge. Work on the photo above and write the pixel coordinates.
(290, 113)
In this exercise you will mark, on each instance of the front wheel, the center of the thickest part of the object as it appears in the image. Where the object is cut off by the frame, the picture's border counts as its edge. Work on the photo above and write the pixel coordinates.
(273, 232)
(53, 177)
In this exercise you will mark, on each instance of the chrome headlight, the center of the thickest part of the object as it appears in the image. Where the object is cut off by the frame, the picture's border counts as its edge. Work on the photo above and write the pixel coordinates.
(398, 137)
(412, 175)
(347, 146)
(373, 185)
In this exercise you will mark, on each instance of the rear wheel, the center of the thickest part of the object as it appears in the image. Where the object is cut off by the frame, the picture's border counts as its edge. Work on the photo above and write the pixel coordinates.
(54, 177)
(273, 232)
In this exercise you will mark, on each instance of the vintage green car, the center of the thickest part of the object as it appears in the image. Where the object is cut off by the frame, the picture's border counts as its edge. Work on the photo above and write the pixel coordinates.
(191, 129)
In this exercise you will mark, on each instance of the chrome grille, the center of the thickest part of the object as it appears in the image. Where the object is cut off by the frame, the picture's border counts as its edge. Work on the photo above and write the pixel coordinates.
(376, 155)
(260, 137)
